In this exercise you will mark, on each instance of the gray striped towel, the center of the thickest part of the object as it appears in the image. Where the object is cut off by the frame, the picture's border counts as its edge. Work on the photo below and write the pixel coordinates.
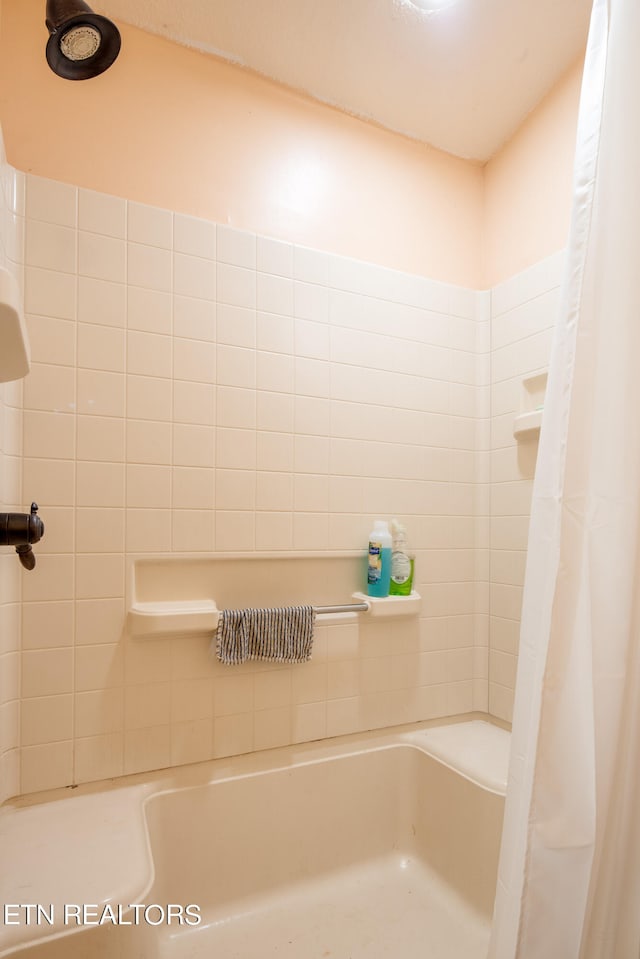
(278, 635)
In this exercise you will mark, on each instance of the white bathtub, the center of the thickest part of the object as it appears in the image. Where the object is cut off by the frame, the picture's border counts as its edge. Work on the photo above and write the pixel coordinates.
(369, 846)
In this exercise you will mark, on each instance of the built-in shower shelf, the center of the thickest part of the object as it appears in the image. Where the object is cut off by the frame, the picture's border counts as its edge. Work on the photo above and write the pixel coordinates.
(390, 605)
(527, 423)
(181, 595)
(173, 618)
(189, 617)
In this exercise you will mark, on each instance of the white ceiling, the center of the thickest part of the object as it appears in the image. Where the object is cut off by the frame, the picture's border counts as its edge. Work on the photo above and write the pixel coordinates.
(462, 78)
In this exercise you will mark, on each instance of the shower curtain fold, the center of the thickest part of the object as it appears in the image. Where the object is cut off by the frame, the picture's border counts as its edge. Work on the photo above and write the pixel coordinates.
(569, 878)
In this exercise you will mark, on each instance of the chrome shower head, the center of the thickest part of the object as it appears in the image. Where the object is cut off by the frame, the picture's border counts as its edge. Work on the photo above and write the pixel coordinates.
(82, 44)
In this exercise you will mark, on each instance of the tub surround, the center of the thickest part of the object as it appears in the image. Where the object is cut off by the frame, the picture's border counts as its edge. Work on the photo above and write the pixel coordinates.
(198, 390)
(141, 831)
(166, 411)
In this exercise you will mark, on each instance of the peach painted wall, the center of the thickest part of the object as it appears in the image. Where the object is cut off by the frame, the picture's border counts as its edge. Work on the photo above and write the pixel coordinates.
(528, 186)
(174, 128)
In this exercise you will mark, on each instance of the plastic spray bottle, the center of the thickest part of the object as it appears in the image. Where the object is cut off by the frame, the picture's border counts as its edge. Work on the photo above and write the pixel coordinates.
(402, 561)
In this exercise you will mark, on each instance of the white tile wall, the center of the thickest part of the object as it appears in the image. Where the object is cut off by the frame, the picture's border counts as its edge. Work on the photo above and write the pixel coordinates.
(12, 199)
(523, 314)
(199, 388)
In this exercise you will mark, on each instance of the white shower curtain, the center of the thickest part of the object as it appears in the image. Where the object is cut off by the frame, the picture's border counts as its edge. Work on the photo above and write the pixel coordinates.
(569, 876)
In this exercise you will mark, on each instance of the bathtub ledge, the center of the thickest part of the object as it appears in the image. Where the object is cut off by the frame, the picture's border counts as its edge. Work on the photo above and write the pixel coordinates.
(71, 851)
(477, 749)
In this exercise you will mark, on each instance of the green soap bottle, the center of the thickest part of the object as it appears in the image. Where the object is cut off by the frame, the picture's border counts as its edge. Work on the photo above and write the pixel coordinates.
(402, 561)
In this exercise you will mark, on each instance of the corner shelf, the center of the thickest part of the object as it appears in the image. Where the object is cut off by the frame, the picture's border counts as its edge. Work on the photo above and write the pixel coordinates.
(390, 605)
(528, 421)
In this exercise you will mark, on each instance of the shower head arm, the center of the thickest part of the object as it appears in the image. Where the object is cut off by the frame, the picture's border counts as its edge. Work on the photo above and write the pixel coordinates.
(59, 12)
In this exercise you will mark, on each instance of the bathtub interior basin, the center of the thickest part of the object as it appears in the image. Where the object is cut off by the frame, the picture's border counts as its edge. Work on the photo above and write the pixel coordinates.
(361, 852)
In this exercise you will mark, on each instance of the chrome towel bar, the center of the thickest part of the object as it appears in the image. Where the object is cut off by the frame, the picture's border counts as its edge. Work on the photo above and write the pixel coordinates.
(344, 608)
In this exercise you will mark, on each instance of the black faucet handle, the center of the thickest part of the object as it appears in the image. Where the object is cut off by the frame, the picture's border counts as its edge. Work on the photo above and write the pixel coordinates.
(22, 530)
(36, 526)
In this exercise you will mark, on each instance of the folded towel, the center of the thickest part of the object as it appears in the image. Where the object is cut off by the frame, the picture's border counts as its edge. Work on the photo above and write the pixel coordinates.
(279, 635)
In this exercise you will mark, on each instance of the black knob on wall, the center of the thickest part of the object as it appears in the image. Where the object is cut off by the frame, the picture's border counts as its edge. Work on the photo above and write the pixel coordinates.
(22, 530)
